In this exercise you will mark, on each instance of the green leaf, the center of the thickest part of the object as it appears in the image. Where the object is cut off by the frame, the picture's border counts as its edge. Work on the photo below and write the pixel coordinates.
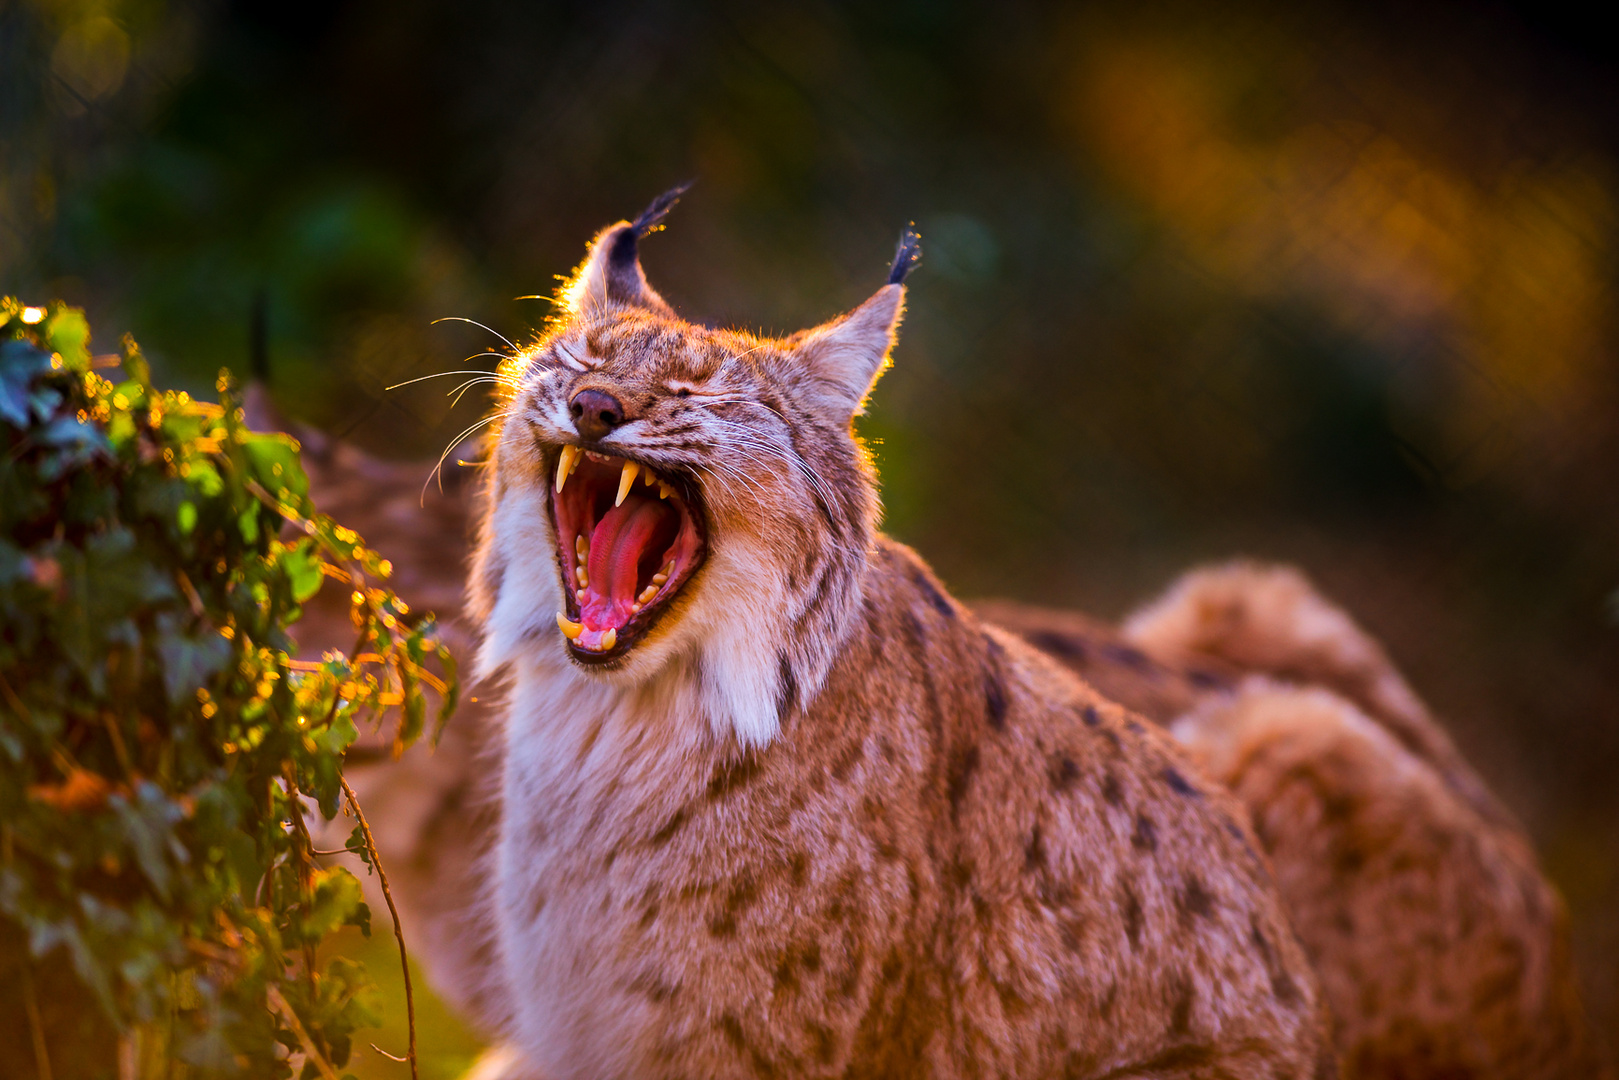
(186, 517)
(20, 364)
(337, 901)
(302, 566)
(67, 332)
(247, 522)
(190, 661)
(273, 459)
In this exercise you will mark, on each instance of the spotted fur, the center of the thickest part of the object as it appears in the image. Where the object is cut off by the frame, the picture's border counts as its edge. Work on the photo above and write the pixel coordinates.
(1455, 963)
(821, 820)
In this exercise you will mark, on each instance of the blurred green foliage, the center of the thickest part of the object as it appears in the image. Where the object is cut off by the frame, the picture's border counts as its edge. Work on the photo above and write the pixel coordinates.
(160, 752)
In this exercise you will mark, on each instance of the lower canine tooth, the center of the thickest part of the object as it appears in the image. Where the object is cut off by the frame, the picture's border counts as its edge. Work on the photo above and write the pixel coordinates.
(570, 629)
(609, 639)
(625, 479)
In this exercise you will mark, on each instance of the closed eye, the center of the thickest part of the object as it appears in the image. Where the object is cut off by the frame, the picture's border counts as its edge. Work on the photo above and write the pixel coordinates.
(680, 388)
(574, 357)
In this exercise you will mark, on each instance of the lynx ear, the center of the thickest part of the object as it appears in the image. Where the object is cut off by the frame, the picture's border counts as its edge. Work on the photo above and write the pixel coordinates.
(611, 274)
(845, 357)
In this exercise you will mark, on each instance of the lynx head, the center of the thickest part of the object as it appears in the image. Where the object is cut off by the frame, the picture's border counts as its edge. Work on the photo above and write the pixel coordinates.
(669, 498)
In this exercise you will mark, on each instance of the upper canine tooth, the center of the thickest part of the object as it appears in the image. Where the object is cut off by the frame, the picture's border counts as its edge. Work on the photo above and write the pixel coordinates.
(625, 479)
(569, 628)
(566, 460)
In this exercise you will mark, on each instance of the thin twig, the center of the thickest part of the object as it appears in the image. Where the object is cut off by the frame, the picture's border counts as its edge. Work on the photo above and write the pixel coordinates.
(390, 1057)
(13, 699)
(191, 596)
(404, 959)
(311, 1053)
(119, 748)
(42, 1057)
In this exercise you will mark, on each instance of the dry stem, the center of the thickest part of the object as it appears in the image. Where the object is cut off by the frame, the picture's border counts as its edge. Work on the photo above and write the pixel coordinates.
(311, 1051)
(36, 1028)
(404, 959)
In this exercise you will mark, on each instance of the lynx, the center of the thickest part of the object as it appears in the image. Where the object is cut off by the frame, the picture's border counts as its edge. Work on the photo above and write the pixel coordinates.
(773, 803)
(1439, 946)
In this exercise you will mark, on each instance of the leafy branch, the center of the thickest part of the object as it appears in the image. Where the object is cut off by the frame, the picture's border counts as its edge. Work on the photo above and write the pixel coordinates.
(160, 747)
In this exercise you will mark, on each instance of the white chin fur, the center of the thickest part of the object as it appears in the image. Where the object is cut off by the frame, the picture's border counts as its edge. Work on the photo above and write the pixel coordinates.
(731, 627)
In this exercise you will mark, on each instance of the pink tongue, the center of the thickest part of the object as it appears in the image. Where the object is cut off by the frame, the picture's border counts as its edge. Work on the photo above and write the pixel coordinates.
(615, 552)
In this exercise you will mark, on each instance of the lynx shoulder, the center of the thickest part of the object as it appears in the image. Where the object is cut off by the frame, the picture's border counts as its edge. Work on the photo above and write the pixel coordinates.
(773, 803)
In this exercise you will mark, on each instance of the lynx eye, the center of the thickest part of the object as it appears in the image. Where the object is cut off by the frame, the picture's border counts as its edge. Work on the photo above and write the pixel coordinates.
(682, 388)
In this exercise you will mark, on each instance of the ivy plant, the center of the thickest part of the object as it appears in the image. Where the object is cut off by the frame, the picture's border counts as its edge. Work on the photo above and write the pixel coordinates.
(162, 752)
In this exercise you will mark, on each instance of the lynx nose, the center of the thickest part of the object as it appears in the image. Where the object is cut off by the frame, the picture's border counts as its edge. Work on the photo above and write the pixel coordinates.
(595, 413)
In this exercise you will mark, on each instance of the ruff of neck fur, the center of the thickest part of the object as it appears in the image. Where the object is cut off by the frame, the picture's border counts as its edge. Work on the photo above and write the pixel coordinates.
(759, 646)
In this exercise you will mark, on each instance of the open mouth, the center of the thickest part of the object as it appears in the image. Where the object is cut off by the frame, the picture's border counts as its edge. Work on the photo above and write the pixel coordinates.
(630, 538)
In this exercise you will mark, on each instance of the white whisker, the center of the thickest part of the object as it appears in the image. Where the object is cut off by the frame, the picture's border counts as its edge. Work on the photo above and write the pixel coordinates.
(461, 390)
(442, 374)
(438, 467)
(475, 322)
(787, 452)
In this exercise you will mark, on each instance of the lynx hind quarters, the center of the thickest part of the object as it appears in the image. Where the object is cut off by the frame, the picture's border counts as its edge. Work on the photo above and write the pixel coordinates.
(1270, 620)
(1440, 947)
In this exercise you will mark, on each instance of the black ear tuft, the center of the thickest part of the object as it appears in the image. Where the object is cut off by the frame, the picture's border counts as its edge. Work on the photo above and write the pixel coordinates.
(906, 256)
(651, 219)
(624, 278)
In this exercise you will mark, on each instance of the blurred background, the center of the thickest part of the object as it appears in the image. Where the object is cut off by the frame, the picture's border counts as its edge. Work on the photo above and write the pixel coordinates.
(1324, 283)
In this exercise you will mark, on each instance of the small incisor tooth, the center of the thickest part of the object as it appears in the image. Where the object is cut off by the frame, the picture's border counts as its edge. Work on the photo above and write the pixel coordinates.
(664, 490)
(581, 595)
(647, 594)
(625, 479)
(649, 478)
(570, 629)
(566, 460)
(609, 639)
(635, 609)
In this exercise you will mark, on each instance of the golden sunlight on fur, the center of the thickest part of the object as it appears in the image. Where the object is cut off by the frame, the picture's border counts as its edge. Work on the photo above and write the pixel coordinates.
(789, 809)
(759, 798)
